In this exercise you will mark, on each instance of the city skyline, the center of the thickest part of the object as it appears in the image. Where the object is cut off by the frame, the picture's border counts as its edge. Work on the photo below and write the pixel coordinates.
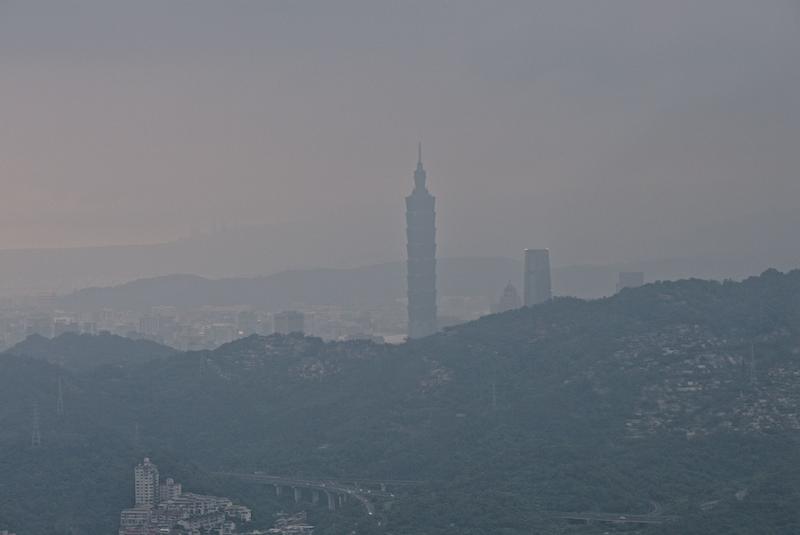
(232, 304)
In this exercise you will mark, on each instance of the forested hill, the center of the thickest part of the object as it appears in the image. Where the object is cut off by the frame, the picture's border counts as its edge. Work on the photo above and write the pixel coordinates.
(675, 399)
(84, 352)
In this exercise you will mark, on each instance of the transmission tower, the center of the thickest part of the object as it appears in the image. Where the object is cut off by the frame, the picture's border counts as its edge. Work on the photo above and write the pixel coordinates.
(36, 431)
(60, 402)
(494, 382)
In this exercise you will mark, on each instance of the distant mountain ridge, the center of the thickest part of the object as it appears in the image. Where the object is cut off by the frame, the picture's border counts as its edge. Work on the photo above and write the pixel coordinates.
(364, 287)
(374, 285)
(324, 241)
(228, 252)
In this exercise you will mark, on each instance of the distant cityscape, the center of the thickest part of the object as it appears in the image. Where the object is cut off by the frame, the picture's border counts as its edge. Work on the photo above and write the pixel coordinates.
(208, 326)
(399, 268)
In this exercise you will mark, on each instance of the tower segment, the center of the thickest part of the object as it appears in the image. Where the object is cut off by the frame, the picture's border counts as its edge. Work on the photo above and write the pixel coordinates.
(421, 250)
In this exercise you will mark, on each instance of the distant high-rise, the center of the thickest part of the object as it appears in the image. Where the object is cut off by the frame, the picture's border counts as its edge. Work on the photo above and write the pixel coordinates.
(150, 325)
(537, 277)
(421, 249)
(146, 486)
(65, 325)
(630, 279)
(508, 301)
(289, 322)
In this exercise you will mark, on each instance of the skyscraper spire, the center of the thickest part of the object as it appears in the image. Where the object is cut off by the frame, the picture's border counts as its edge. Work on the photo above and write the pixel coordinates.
(420, 176)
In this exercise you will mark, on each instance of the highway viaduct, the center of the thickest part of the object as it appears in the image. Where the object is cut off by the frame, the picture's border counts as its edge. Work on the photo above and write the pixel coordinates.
(336, 492)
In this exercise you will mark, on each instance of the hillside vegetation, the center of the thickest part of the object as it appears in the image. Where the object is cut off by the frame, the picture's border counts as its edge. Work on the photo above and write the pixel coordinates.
(679, 400)
(81, 352)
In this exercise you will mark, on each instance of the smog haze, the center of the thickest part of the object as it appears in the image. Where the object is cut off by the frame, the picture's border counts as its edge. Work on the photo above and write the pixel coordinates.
(612, 131)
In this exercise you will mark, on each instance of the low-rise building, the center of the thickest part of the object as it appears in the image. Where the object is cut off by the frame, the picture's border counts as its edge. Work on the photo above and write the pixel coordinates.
(169, 490)
(137, 521)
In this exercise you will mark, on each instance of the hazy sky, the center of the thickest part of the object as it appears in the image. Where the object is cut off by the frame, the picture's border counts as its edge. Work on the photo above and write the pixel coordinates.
(602, 129)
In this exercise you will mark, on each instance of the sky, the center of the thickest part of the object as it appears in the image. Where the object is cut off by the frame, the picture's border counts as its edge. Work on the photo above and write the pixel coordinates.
(606, 130)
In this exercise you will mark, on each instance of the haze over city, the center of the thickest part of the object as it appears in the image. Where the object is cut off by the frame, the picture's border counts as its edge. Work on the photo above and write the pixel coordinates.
(372, 267)
(612, 131)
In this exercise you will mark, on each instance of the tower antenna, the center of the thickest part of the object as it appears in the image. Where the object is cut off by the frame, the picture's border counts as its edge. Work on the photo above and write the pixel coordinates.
(419, 153)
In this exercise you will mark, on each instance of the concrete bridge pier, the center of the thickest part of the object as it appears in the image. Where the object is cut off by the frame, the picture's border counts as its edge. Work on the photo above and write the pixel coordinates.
(278, 490)
(331, 501)
(342, 499)
(314, 497)
(383, 487)
(298, 494)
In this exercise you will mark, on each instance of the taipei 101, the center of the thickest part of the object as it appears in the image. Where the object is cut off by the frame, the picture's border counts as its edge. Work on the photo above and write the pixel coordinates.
(368, 267)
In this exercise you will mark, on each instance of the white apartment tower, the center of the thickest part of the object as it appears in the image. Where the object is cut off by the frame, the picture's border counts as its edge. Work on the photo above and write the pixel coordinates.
(146, 485)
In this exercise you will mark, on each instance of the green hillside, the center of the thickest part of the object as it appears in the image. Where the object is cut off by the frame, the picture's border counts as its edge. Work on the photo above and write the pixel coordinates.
(81, 352)
(675, 400)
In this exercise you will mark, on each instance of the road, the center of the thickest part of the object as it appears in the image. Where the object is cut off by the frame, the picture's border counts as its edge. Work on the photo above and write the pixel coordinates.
(655, 516)
(363, 497)
(613, 518)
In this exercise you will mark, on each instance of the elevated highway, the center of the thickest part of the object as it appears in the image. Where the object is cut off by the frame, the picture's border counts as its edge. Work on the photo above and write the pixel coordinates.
(336, 492)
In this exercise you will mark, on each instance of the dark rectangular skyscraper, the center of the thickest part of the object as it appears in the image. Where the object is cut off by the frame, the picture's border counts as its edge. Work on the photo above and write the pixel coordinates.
(421, 232)
(537, 277)
(630, 279)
